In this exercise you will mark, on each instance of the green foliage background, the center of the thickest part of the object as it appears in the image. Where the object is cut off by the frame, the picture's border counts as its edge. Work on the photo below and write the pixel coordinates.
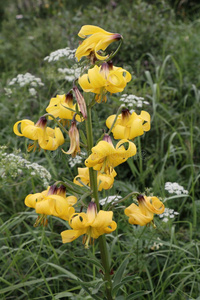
(161, 49)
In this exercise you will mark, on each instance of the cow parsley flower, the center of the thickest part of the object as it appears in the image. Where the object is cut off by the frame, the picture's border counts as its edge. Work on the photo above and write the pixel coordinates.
(26, 79)
(110, 199)
(168, 214)
(133, 101)
(14, 166)
(175, 188)
(60, 53)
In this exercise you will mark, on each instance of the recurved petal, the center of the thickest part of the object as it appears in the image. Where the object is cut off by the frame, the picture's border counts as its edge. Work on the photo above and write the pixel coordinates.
(24, 124)
(70, 235)
(103, 219)
(110, 120)
(97, 231)
(32, 199)
(101, 150)
(78, 221)
(89, 29)
(71, 200)
(105, 181)
(146, 117)
(136, 128)
(154, 205)
(136, 216)
(122, 154)
(121, 132)
(84, 83)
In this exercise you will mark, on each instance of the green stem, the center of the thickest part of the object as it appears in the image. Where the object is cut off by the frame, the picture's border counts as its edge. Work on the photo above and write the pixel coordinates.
(94, 188)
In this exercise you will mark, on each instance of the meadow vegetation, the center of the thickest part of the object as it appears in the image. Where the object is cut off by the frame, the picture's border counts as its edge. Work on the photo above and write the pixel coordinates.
(161, 50)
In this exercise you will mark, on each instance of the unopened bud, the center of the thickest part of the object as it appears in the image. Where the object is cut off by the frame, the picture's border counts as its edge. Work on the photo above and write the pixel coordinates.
(81, 101)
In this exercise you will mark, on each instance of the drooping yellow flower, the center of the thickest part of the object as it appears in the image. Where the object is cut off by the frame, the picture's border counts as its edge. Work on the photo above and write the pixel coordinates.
(60, 106)
(95, 39)
(103, 79)
(52, 201)
(143, 213)
(48, 138)
(74, 140)
(104, 181)
(129, 126)
(105, 156)
(92, 224)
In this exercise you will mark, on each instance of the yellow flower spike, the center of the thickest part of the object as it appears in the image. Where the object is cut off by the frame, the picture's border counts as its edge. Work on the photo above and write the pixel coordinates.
(92, 224)
(104, 181)
(95, 39)
(105, 156)
(48, 138)
(103, 79)
(60, 106)
(52, 201)
(128, 125)
(143, 213)
(74, 140)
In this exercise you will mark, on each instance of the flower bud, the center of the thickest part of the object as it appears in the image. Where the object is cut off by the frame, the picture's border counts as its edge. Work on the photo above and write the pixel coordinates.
(41, 122)
(74, 140)
(81, 101)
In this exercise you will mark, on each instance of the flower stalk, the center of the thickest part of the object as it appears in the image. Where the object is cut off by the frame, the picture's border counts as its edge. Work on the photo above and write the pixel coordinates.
(94, 188)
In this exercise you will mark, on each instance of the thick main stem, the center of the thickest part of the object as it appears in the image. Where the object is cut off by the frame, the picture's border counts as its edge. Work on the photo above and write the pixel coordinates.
(94, 187)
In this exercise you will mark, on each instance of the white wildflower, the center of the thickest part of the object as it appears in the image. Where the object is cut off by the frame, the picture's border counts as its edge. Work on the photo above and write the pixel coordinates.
(8, 92)
(110, 199)
(76, 160)
(70, 73)
(156, 245)
(12, 165)
(175, 188)
(26, 79)
(32, 92)
(168, 214)
(133, 101)
(60, 53)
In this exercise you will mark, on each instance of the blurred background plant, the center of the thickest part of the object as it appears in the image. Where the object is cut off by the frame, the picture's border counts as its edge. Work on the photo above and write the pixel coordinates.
(162, 51)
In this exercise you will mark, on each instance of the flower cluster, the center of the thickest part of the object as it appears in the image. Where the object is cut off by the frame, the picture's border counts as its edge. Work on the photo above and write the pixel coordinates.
(175, 188)
(168, 214)
(14, 165)
(26, 79)
(133, 101)
(60, 53)
(70, 73)
(110, 199)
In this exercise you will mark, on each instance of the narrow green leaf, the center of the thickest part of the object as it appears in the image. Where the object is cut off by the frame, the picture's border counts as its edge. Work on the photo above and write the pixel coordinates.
(117, 280)
(136, 295)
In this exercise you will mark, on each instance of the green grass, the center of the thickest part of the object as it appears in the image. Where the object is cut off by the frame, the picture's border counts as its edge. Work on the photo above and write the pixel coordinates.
(162, 52)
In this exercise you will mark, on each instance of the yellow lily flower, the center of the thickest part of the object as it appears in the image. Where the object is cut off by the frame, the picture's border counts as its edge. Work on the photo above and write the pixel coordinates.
(52, 201)
(74, 140)
(104, 181)
(95, 39)
(92, 224)
(60, 106)
(105, 156)
(103, 79)
(129, 126)
(48, 138)
(143, 213)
